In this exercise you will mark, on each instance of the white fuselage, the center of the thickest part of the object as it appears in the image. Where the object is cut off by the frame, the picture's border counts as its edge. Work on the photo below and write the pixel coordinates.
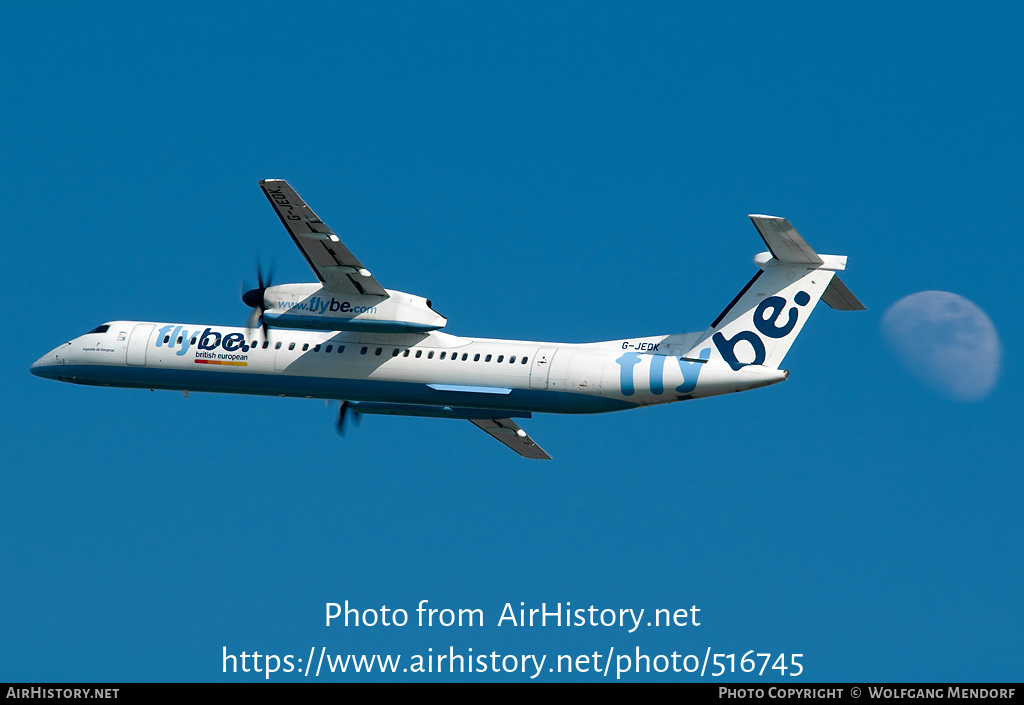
(431, 369)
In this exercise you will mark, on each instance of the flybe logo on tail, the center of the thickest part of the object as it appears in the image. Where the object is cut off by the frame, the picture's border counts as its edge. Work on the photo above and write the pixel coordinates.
(766, 320)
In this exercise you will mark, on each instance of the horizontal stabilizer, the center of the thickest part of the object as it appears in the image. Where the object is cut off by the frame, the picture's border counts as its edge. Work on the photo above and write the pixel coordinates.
(784, 241)
(839, 297)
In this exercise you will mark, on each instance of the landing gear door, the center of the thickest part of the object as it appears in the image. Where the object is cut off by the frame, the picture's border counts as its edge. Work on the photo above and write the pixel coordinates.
(541, 367)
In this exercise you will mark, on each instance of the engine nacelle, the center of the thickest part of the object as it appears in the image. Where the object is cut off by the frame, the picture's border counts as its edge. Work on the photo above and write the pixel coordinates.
(313, 306)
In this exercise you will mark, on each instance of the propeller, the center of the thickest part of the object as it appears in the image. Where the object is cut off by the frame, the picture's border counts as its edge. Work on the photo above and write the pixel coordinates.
(254, 298)
(345, 409)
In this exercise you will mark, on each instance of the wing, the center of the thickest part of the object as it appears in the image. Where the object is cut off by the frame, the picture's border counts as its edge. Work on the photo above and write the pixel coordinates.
(505, 430)
(508, 432)
(334, 265)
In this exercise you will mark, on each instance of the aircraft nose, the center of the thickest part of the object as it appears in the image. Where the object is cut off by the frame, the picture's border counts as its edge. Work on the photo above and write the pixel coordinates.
(49, 364)
(38, 367)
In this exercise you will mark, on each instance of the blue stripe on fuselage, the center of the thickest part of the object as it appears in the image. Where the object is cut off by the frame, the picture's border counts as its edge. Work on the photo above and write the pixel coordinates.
(328, 388)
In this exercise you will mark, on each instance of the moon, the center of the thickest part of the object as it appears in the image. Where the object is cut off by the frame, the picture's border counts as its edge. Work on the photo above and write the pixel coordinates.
(947, 342)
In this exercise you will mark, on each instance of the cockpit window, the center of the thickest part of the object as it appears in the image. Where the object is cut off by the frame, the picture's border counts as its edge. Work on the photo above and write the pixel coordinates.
(99, 329)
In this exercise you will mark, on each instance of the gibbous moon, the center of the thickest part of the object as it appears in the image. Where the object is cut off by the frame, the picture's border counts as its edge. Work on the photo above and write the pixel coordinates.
(945, 341)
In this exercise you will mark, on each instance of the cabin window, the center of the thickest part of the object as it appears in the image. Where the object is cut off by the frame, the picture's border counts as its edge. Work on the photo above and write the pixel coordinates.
(167, 339)
(341, 349)
(179, 340)
(501, 358)
(476, 358)
(419, 353)
(291, 346)
(487, 359)
(363, 351)
(193, 341)
(430, 355)
(405, 354)
(266, 343)
(465, 356)
(524, 360)
(394, 353)
(442, 354)
(278, 346)
(329, 348)
(379, 351)
(512, 359)
(316, 348)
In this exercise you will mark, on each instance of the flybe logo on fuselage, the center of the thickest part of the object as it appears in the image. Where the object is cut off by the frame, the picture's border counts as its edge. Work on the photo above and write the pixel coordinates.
(766, 316)
(209, 339)
(690, 369)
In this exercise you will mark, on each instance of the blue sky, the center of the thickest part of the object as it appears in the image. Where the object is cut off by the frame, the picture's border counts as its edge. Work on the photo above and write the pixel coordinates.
(568, 173)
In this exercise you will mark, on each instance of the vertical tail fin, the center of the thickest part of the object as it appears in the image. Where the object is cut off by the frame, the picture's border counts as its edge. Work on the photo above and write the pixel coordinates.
(760, 324)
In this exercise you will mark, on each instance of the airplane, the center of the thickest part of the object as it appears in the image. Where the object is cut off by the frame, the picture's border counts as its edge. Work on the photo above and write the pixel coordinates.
(381, 351)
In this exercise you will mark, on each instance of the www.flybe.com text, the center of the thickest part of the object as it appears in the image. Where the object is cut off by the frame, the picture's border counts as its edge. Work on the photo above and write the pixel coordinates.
(317, 305)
